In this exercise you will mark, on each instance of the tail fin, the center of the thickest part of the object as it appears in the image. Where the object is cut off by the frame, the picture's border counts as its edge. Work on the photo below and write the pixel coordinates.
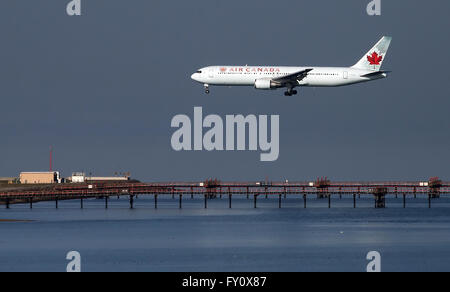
(375, 57)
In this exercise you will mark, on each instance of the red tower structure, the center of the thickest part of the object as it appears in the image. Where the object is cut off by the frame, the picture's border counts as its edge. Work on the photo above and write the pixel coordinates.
(51, 158)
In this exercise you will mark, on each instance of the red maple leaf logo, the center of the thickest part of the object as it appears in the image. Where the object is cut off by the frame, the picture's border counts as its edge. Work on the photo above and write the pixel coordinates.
(375, 59)
(223, 69)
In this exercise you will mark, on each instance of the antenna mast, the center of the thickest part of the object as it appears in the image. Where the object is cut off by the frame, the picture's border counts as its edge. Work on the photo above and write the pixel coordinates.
(51, 157)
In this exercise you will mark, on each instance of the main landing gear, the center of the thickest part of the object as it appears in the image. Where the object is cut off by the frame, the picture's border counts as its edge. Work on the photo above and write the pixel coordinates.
(290, 92)
(207, 89)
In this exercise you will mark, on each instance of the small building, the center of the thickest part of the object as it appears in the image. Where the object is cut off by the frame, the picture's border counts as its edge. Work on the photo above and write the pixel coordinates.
(78, 177)
(43, 177)
(7, 180)
(108, 179)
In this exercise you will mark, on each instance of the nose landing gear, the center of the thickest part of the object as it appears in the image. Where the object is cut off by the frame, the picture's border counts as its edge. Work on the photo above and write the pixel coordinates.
(207, 89)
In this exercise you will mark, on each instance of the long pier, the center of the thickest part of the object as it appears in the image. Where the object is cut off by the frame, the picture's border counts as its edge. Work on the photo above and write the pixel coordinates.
(211, 189)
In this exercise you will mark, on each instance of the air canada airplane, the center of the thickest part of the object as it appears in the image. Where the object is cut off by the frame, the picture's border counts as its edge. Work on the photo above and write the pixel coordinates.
(262, 77)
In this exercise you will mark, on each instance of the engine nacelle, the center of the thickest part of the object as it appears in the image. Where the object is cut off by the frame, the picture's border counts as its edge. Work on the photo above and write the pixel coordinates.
(265, 84)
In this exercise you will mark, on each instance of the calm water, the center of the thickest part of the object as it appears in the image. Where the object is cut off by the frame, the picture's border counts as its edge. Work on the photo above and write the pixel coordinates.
(218, 239)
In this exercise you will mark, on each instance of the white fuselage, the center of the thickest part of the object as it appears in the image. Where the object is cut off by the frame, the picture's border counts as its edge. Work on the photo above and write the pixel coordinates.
(248, 75)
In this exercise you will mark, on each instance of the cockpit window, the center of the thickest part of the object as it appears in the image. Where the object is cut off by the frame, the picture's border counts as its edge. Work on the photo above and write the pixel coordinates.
(199, 71)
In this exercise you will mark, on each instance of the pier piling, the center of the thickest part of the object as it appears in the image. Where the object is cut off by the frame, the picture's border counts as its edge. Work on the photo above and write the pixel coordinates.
(279, 201)
(131, 202)
(380, 201)
(380, 197)
(156, 201)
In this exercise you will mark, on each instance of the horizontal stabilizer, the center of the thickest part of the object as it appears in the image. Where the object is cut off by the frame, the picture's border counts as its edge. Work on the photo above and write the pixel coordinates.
(373, 74)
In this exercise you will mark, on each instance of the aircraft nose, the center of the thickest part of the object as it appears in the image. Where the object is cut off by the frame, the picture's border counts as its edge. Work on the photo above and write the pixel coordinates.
(195, 77)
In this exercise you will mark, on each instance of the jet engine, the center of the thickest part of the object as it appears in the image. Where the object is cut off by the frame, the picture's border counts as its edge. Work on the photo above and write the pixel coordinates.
(266, 84)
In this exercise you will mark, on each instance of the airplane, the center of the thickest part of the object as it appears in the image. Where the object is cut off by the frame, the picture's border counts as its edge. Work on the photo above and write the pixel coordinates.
(274, 77)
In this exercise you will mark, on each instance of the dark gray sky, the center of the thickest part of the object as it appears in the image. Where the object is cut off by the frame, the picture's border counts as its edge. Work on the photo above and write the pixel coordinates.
(103, 88)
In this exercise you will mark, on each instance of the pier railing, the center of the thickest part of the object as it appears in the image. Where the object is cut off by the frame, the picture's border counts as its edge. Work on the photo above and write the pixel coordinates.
(212, 189)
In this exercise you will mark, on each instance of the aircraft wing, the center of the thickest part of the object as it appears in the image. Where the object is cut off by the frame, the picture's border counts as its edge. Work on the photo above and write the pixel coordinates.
(294, 78)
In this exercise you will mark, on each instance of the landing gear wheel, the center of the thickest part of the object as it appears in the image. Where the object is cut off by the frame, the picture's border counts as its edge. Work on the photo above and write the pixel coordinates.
(290, 92)
(207, 89)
